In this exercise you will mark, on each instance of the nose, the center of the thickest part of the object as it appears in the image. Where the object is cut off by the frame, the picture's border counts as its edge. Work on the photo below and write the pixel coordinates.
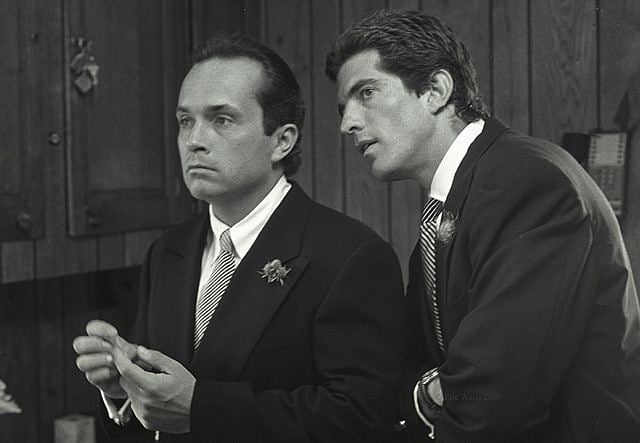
(195, 138)
(352, 120)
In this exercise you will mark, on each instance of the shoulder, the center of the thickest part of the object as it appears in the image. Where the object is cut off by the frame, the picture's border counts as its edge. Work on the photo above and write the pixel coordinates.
(179, 239)
(334, 236)
(518, 160)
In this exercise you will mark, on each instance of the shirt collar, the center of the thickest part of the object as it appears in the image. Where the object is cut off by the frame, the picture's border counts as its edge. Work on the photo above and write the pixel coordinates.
(244, 233)
(443, 178)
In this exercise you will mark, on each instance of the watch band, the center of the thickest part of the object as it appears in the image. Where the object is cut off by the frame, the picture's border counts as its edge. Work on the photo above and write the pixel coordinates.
(423, 394)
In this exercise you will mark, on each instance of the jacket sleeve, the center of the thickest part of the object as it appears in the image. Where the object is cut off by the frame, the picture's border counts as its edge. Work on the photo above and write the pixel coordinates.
(529, 297)
(357, 340)
(133, 431)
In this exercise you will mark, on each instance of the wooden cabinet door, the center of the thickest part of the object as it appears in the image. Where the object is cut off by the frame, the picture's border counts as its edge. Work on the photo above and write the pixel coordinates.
(23, 69)
(123, 166)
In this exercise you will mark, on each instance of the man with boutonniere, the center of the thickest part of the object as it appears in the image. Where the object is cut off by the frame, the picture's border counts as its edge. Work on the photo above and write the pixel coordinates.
(269, 318)
(520, 298)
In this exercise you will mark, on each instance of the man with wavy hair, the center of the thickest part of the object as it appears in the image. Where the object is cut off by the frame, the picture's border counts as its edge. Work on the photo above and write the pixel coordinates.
(520, 297)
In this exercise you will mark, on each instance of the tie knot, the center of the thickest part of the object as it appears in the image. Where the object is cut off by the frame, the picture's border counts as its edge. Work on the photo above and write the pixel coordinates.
(226, 244)
(431, 210)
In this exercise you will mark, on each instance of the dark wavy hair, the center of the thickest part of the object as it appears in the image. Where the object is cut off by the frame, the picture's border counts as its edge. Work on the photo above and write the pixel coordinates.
(279, 95)
(413, 46)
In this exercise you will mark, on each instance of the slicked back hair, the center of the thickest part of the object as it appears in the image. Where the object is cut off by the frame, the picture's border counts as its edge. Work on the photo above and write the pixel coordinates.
(279, 95)
(414, 46)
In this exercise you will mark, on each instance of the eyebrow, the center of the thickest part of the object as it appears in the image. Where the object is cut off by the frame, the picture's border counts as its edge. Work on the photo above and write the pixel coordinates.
(354, 89)
(212, 109)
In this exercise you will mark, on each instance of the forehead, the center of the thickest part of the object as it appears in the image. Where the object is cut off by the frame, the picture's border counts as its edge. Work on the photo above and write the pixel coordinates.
(221, 80)
(364, 65)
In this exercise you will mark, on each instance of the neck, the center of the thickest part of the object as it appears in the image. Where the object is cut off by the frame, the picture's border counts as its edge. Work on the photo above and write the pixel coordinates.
(444, 136)
(230, 209)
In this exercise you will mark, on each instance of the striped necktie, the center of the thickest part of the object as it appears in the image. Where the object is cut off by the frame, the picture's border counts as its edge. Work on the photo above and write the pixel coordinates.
(430, 213)
(223, 268)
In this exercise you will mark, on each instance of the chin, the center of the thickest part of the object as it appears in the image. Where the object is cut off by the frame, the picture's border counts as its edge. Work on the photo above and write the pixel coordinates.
(384, 174)
(201, 191)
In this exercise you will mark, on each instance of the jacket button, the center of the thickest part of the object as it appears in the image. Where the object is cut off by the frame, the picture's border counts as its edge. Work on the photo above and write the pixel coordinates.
(401, 425)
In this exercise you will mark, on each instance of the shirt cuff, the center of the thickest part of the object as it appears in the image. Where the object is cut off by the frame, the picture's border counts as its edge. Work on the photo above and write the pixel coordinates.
(120, 416)
(416, 405)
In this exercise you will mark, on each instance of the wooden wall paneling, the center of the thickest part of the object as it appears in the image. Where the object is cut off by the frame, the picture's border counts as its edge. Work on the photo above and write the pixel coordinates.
(21, 131)
(19, 361)
(470, 20)
(406, 196)
(254, 23)
(366, 198)
(619, 61)
(50, 352)
(110, 251)
(56, 253)
(325, 139)
(17, 261)
(215, 18)
(117, 165)
(564, 69)
(136, 245)
(510, 48)
(288, 33)
(413, 5)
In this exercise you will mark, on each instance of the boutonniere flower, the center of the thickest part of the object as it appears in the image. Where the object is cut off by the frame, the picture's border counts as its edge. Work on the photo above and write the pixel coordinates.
(274, 271)
(447, 229)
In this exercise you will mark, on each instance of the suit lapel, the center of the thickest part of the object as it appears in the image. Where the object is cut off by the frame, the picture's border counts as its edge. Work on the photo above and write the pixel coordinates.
(178, 291)
(454, 205)
(250, 301)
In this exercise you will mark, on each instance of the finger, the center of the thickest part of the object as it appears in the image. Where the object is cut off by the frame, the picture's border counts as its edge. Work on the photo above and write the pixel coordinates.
(87, 344)
(102, 329)
(88, 362)
(102, 375)
(130, 371)
(158, 361)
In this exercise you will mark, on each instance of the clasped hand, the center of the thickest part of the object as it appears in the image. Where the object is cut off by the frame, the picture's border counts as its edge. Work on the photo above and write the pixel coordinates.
(160, 388)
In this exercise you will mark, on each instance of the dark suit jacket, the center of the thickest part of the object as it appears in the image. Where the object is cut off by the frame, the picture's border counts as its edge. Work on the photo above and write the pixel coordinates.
(538, 308)
(314, 359)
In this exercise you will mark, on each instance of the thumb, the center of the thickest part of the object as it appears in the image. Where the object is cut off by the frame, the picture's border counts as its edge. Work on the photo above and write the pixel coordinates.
(127, 348)
(157, 360)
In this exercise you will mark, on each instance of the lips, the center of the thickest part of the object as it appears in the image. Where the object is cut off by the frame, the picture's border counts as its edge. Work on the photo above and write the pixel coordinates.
(364, 145)
(192, 167)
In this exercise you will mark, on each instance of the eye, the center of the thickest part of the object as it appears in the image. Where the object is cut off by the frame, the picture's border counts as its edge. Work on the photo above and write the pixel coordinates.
(366, 93)
(222, 120)
(185, 122)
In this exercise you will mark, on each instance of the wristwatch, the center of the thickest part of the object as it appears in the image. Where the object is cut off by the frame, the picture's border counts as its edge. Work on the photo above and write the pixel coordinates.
(423, 391)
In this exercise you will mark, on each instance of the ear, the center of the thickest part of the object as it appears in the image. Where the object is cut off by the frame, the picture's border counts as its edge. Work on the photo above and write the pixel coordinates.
(437, 96)
(285, 137)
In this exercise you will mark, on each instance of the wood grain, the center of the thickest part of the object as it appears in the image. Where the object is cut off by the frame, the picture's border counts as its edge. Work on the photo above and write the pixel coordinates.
(510, 48)
(564, 70)
(325, 139)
